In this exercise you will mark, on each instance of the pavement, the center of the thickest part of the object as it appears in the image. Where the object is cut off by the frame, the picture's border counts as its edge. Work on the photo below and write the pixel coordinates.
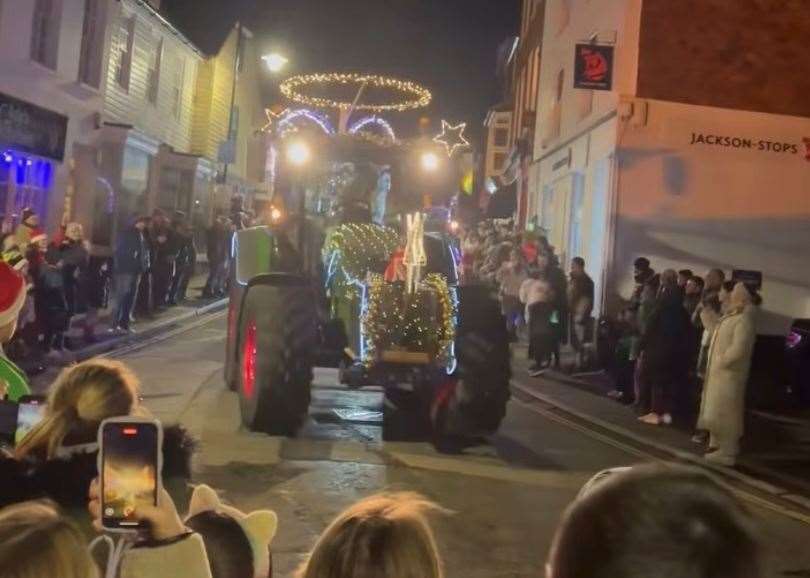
(775, 451)
(504, 498)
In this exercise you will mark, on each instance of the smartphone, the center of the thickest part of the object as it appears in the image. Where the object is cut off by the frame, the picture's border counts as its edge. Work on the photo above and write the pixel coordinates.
(130, 464)
(30, 412)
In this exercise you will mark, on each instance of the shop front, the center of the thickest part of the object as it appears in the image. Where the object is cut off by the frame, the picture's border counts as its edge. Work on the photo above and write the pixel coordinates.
(32, 147)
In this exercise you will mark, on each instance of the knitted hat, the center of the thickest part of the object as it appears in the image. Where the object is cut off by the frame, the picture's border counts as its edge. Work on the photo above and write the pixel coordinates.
(12, 294)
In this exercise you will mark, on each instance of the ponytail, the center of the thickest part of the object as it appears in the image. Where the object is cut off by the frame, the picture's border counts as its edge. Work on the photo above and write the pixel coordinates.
(81, 398)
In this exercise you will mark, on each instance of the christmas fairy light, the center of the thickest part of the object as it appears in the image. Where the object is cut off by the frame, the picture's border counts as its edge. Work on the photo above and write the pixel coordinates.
(374, 120)
(414, 95)
(452, 137)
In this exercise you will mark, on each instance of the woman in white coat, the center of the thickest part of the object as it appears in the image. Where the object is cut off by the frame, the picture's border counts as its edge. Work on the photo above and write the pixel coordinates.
(723, 405)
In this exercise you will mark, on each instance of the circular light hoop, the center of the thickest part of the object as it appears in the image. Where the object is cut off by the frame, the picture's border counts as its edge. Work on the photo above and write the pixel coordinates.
(414, 95)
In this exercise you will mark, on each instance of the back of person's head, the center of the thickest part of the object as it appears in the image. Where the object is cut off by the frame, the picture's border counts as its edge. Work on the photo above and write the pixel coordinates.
(37, 542)
(384, 536)
(642, 264)
(656, 521)
(81, 398)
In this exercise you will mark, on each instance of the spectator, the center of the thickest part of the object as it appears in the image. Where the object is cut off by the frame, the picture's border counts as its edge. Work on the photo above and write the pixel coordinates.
(511, 276)
(131, 261)
(666, 352)
(669, 280)
(580, 305)
(642, 273)
(50, 304)
(656, 521)
(13, 381)
(28, 229)
(693, 294)
(642, 385)
(165, 249)
(469, 251)
(559, 284)
(384, 536)
(184, 263)
(723, 404)
(75, 257)
(57, 458)
(217, 253)
(537, 295)
(684, 275)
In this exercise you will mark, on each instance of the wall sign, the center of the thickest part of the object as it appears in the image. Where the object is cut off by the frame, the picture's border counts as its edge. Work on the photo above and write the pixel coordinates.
(764, 145)
(28, 128)
(593, 67)
(751, 279)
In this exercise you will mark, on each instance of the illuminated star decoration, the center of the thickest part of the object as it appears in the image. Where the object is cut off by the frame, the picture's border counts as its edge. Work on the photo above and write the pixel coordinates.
(272, 117)
(452, 137)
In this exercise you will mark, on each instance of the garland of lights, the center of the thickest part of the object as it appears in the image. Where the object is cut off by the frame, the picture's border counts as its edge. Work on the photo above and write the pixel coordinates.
(452, 137)
(396, 321)
(354, 249)
(415, 96)
(375, 120)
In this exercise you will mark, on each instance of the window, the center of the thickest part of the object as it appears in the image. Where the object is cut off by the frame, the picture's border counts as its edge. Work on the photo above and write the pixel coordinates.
(45, 33)
(177, 86)
(124, 45)
(89, 57)
(155, 55)
(500, 158)
(501, 137)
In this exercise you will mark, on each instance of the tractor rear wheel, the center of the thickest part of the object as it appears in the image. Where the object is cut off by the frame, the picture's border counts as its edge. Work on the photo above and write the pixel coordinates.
(278, 337)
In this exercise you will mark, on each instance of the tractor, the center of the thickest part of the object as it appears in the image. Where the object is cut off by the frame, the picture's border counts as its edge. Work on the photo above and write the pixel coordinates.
(329, 286)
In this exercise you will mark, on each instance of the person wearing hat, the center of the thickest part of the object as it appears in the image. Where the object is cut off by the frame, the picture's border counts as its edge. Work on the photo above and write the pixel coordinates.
(13, 381)
(28, 230)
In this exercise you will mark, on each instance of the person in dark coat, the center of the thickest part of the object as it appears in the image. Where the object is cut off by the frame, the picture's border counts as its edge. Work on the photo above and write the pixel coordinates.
(131, 261)
(50, 303)
(559, 284)
(164, 247)
(216, 240)
(666, 348)
(184, 263)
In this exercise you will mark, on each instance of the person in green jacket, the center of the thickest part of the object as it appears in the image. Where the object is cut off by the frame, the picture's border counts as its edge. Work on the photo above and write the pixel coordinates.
(13, 381)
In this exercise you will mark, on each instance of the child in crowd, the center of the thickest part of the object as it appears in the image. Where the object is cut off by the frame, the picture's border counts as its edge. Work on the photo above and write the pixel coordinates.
(385, 536)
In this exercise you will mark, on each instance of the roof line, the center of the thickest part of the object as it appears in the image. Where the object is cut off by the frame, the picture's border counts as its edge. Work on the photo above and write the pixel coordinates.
(172, 28)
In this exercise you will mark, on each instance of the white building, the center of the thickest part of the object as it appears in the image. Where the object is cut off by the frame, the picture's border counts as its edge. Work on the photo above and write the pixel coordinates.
(147, 122)
(498, 125)
(52, 61)
(666, 166)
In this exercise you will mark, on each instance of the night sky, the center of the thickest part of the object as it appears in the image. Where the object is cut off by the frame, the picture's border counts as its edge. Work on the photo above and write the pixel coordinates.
(447, 45)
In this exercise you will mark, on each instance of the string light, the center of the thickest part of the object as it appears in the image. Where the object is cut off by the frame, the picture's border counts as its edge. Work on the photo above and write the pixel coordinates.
(452, 137)
(376, 120)
(415, 96)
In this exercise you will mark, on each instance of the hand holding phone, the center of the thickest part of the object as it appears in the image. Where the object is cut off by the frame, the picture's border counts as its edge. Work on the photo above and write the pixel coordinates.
(163, 521)
(129, 463)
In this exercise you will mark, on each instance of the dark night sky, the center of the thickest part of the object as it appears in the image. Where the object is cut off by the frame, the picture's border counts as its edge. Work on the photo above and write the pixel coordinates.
(448, 45)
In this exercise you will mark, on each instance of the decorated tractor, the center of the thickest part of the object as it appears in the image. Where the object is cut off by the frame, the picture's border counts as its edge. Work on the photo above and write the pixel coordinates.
(356, 280)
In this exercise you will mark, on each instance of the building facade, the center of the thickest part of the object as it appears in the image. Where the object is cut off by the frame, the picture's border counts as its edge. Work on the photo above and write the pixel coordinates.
(696, 158)
(498, 141)
(53, 59)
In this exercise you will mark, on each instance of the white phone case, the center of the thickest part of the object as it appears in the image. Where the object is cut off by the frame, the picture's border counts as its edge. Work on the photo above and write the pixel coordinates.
(133, 420)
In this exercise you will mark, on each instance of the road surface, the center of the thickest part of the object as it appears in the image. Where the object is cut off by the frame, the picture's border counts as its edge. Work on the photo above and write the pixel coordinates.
(504, 499)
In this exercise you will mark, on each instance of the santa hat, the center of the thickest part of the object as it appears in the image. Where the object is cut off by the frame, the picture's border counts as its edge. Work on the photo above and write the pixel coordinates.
(12, 294)
(37, 235)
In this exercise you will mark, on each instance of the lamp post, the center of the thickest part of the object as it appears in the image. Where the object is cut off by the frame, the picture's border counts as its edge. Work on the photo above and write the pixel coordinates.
(298, 155)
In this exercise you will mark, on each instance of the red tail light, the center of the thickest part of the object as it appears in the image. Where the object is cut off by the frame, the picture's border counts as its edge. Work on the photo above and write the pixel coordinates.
(130, 431)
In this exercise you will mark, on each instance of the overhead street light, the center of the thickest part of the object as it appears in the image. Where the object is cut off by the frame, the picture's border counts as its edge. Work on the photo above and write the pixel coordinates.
(275, 62)
(298, 153)
(430, 161)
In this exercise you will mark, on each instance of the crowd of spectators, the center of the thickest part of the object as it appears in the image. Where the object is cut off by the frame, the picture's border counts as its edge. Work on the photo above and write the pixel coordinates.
(684, 353)
(539, 301)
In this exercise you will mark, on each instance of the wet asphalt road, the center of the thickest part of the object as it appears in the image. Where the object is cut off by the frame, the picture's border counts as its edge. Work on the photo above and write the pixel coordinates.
(505, 498)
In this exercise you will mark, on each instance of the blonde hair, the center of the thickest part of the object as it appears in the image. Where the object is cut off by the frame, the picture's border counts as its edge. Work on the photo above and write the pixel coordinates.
(384, 536)
(81, 398)
(74, 231)
(36, 542)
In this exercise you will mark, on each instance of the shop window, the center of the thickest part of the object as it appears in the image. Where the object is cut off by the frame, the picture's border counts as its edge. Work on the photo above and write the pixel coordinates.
(501, 137)
(124, 48)
(45, 32)
(153, 75)
(176, 190)
(92, 42)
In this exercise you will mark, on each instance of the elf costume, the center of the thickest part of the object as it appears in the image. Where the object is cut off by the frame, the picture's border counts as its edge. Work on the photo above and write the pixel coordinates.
(12, 298)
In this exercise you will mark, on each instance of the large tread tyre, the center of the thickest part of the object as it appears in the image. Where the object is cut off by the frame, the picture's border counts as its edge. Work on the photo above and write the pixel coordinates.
(474, 404)
(278, 336)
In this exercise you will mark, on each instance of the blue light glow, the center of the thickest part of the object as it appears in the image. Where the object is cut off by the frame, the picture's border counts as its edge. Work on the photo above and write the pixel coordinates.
(375, 120)
(285, 124)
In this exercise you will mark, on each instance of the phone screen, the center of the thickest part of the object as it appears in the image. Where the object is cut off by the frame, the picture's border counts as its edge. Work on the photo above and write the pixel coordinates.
(29, 414)
(129, 471)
